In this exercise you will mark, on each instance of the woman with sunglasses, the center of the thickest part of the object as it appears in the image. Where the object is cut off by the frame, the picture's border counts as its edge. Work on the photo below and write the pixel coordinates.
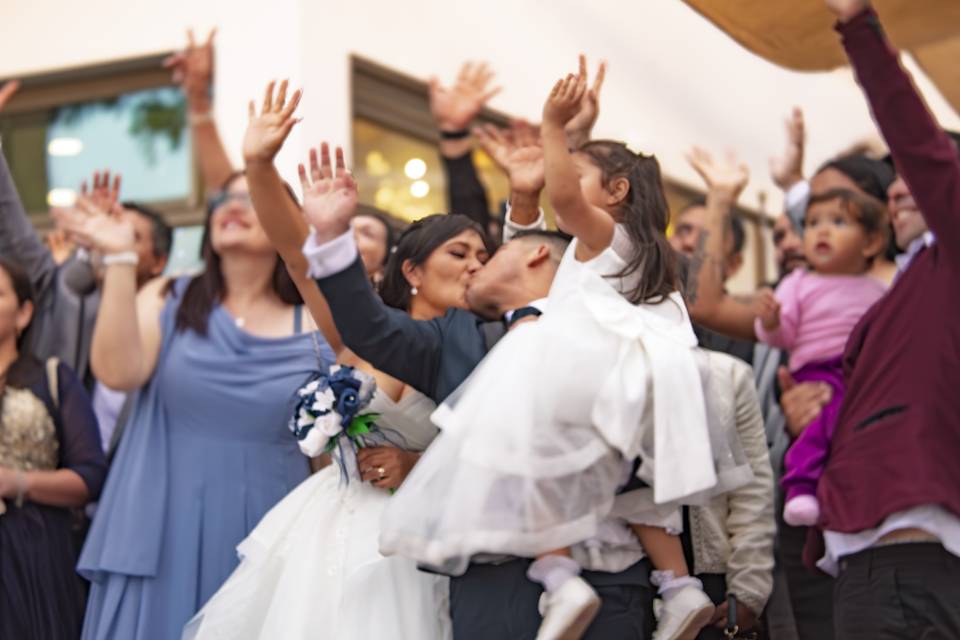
(215, 359)
(312, 567)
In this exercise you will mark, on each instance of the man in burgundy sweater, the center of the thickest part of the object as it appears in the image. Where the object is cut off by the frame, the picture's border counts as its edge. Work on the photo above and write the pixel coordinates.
(890, 493)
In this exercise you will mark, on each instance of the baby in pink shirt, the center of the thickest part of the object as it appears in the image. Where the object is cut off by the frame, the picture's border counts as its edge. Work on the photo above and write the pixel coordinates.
(812, 314)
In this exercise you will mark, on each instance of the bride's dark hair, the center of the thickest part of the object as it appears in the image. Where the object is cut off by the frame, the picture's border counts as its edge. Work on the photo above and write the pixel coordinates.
(416, 244)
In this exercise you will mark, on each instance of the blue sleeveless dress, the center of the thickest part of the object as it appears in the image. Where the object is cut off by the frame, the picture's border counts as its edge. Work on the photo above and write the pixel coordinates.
(206, 454)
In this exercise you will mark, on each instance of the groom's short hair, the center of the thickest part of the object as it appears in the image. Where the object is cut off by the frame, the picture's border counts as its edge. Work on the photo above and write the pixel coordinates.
(556, 241)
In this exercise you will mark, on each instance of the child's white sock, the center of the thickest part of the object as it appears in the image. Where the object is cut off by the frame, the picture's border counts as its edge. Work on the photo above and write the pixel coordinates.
(669, 584)
(552, 571)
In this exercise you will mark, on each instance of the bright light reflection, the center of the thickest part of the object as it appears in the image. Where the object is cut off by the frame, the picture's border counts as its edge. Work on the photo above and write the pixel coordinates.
(415, 168)
(419, 189)
(61, 197)
(65, 147)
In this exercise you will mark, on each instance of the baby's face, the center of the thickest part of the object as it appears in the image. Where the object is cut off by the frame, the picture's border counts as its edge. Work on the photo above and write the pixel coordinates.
(834, 241)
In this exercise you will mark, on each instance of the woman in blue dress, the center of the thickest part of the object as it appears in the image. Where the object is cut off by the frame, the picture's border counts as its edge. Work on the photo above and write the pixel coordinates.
(217, 359)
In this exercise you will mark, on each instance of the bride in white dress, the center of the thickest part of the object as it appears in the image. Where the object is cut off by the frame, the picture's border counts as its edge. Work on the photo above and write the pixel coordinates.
(312, 568)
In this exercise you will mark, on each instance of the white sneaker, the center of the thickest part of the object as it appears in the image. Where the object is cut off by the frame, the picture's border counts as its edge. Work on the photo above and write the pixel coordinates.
(683, 615)
(568, 611)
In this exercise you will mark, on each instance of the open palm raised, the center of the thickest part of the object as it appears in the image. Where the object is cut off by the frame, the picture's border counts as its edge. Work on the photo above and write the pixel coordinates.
(329, 195)
(517, 151)
(728, 176)
(266, 132)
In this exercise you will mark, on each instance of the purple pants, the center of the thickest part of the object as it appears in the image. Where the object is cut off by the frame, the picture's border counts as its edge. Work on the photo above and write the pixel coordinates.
(807, 455)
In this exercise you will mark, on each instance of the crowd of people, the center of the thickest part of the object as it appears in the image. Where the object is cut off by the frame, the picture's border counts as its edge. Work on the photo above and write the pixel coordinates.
(475, 427)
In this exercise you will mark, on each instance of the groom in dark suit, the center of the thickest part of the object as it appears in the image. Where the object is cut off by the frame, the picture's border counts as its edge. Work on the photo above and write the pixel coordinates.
(435, 356)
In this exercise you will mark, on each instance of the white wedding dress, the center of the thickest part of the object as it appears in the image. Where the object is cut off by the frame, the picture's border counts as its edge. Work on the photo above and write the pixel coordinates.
(312, 569)
(536, 442)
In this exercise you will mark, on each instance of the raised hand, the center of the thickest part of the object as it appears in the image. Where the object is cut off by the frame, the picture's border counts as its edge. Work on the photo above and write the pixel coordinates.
(517, 153)
(846, 9)
(193, 67)
(329, 198)
(106, 231)
(787, 170)
(266, 132)
(6, 92)
(454, 108)
(726, 178)
(563, 103)
(104, 194)
(579, 127)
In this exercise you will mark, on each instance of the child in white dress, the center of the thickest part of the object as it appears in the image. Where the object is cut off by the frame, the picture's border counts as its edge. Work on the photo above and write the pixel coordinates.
(536, 443)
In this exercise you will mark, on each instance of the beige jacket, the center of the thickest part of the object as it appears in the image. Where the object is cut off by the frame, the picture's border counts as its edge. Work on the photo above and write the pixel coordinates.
(734, 534)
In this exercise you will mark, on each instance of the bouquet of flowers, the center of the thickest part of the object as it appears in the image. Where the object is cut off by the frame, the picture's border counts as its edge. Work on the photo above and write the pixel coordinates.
(329, 409)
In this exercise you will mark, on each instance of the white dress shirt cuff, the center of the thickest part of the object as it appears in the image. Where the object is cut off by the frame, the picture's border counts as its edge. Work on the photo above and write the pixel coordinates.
(511, 228)
(331, 257)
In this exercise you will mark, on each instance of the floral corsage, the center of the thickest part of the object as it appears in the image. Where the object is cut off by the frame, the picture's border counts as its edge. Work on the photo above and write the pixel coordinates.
(329, 409)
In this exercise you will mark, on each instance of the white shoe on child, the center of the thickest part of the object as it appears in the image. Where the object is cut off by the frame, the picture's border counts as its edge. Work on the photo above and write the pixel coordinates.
(568, 611)
(801, 511)
(682, 615)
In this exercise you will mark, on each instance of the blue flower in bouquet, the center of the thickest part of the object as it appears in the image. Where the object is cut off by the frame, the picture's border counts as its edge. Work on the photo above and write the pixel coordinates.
(328, 407)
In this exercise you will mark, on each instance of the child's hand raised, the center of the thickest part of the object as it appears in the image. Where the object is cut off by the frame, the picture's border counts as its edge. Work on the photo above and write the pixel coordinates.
(563, 103)
(767, 308)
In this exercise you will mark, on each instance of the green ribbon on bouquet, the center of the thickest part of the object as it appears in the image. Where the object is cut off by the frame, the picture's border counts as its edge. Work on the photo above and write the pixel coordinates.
(358, 427)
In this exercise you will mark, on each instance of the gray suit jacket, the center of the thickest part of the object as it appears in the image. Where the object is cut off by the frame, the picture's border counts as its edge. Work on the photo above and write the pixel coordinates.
(63, 320)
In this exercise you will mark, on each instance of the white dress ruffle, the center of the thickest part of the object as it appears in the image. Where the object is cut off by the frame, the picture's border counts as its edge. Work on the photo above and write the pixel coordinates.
(312, 569)
(536, 442)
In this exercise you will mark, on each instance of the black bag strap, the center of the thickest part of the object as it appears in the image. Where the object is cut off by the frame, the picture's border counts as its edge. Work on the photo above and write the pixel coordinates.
(732, 630)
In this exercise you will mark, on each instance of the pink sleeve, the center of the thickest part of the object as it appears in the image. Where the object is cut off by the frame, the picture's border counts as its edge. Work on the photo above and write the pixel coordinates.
(788, 295)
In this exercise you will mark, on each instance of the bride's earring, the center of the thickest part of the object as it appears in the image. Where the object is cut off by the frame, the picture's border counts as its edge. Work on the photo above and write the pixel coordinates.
(413, 291)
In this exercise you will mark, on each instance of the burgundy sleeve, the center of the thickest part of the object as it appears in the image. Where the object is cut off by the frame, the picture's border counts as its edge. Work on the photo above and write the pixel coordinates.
(924, 155)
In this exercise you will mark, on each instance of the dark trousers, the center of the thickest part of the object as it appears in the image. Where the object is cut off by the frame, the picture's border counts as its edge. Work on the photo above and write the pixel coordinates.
(499, 601)
(811, 594)
(909, 590)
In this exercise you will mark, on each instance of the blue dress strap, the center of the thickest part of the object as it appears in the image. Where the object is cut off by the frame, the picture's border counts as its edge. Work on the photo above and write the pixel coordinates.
(298, 319)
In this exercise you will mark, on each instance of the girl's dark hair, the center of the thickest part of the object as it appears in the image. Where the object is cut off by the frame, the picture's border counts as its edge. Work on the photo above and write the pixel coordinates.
(24, 369)
(416, 244)
(208, 287)
(645, 216)
(870, 213)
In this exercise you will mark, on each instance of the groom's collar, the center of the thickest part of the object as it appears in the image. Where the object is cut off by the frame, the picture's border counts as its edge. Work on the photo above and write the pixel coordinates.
(540, 305)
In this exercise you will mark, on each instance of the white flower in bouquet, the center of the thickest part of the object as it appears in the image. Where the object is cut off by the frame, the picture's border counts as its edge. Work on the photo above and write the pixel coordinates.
(305, 418)
(325, 427)
(323, 401)
(367, 386)
(309, 388)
